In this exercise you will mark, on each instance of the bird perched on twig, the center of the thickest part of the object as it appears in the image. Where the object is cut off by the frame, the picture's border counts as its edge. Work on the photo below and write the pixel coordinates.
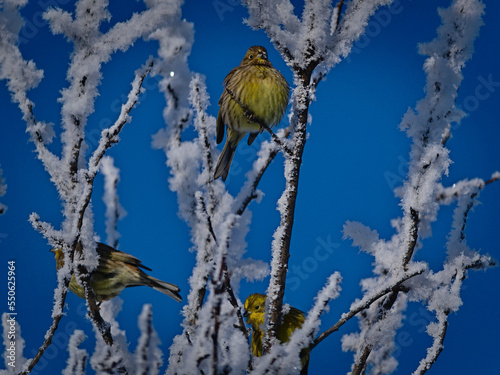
(116, 271)
(255, 98)
(254, 313)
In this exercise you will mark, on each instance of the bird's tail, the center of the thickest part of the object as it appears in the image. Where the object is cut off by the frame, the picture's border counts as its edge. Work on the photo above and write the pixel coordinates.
(170, 290)
(225, 160)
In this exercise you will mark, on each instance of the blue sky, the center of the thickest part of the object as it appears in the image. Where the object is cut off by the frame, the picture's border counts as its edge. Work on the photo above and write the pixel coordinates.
(354, 157)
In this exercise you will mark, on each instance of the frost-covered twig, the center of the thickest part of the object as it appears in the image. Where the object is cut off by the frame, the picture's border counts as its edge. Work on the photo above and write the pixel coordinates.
(77, 357)
(54, 236)
(266, 155)
(148, 356)
(450, 194)
(21, 76)
(92, 49)
(437, 345)
(114, 211)
(116, 358)
(109, 137)
(59, 294)
(364, 303)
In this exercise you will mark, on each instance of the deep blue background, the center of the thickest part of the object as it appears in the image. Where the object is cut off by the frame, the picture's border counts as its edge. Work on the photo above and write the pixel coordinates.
(354, 157)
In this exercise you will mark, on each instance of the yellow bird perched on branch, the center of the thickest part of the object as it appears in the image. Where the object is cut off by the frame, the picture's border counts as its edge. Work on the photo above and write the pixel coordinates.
(255, 97)
(116, 271)
(254, 313)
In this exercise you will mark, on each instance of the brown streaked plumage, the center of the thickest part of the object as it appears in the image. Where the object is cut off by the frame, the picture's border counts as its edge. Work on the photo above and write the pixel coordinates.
(116, 271)
(254, 87)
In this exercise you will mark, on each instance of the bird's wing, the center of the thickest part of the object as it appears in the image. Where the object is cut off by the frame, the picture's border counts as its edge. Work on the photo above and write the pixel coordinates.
(291, 321)
(108, 253)
(228, 78)
(220, 128)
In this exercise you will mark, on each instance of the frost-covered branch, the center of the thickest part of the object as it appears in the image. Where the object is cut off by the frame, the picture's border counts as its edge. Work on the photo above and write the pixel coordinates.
(316, 38)
(428, 127)
(109, 137)
(114, 211)
(450, 194)
(92, 49)
(77, 357)
(112, 358)
(72, 175)
(447, 53)
(249, 191)
(435, 350)
(207, 208)
(22, 76)
(348, 27)
(365, 303)
(148, 356)
(445, 296)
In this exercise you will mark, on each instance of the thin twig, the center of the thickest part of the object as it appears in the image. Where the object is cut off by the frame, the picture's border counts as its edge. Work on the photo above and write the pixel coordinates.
(360, 366)
(414, 217)
(362, 305)
(234, 302)
(451, 192)
(256, 180)
(339, 10)
(50, 332)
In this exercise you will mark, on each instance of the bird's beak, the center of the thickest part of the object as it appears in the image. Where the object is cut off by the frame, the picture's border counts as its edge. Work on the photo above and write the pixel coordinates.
(53, 250)
(246, 314)
(262, 55)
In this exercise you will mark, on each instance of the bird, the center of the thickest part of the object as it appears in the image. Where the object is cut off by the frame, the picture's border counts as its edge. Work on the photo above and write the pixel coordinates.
(293, 319)
(255, 97)
(116, 271)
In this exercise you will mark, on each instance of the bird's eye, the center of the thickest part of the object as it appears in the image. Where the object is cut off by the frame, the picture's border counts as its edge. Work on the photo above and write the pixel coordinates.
(257, 307)
(250, 57)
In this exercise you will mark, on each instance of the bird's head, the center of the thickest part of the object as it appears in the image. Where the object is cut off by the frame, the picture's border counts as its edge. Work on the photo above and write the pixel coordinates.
(256, 55)
(59, 255)
(255, 306)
